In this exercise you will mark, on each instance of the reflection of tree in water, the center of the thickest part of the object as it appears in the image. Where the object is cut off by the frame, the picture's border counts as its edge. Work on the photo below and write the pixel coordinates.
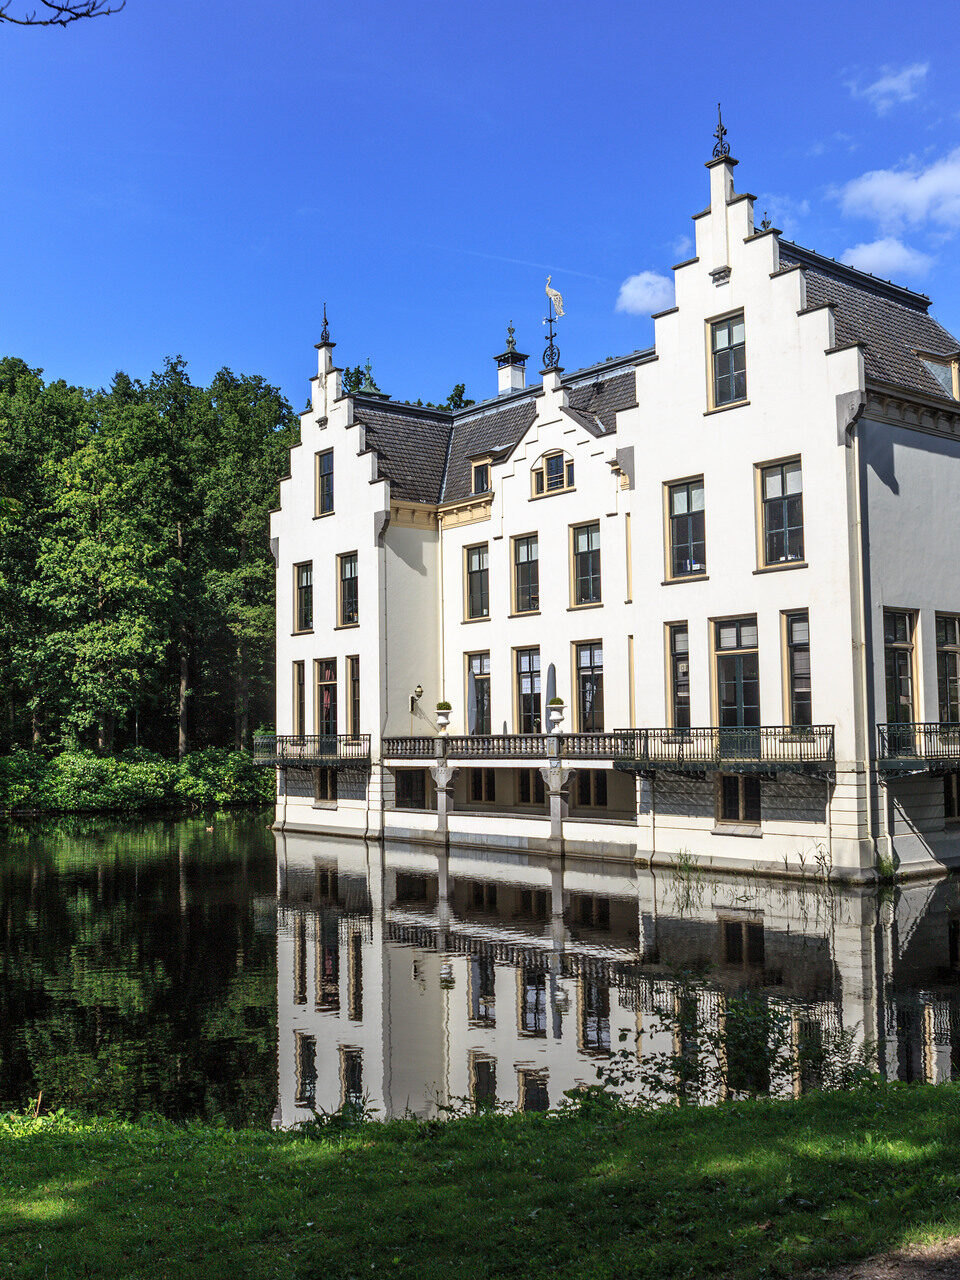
(132, 978)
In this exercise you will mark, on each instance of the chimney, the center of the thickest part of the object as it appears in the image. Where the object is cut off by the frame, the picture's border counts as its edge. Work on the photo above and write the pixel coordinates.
(511, 375)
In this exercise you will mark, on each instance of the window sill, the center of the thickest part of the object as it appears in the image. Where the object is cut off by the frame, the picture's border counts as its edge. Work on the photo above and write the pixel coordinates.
(554, 493)
(346, 626)
(748, 829)
(594, 604)
(722, 408)
(485, 618)
(323, 515)
(779, 568)
(689, 577)
(324, 804)
(525, 613)
(307, 632)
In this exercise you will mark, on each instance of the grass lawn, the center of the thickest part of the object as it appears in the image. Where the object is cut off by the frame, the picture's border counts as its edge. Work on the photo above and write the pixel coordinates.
(746, 1189)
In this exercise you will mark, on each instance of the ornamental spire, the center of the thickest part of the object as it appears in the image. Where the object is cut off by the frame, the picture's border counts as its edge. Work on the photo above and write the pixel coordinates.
(325, 331)
(721, 147)
(551, 355)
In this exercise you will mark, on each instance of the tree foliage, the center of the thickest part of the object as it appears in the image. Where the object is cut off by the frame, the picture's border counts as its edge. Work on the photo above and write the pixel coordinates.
(136, 584)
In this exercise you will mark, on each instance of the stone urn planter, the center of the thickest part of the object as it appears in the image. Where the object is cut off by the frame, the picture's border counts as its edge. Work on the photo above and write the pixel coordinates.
(555, 712)
(443, 715)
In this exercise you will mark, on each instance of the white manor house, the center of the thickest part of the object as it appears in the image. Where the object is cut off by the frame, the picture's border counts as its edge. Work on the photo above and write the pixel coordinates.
(701, 601)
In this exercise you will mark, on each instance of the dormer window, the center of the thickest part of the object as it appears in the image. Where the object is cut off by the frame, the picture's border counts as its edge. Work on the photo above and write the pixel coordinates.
(552, 474)
(481, 477)
(946, 373)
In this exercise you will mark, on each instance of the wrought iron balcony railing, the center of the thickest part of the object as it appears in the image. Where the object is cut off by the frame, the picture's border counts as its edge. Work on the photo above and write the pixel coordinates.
(312, 750)
(918, 745)
(807, 748)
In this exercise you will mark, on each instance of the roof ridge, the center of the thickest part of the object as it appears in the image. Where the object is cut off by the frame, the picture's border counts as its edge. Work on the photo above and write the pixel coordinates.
(853, 275)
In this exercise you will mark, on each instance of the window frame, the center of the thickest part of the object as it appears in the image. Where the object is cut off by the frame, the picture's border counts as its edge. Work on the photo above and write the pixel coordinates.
(714, 402)
(471, 701)
(763, 504)
(467, 571)
(342, 559)
(579, 717)
(319, 488)
(298, 719)
(480, 470)
(945, 651)
(329, 683)
(739, 651)
(790, 648)
(909, 646)
(478, 1059)
(592, 791)
(743, 807)
(515, 567)
(670, 544)
(517, 692)
(591, 575)
(302, 599)
(539, 486)
(673, 656)
(354, 710)
(325, 788)
(487, 778)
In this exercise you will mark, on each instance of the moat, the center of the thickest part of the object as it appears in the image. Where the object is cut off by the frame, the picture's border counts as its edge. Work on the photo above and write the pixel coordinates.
(213, 968)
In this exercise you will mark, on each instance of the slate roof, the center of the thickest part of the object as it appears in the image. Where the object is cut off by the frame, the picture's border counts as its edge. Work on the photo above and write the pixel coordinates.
(425, 454)
(892, 322)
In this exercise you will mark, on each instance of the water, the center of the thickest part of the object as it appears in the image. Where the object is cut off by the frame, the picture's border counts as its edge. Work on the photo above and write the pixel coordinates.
(240, 975)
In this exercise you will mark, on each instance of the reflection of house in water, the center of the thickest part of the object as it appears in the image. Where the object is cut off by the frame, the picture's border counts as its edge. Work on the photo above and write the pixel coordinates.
(412, 979)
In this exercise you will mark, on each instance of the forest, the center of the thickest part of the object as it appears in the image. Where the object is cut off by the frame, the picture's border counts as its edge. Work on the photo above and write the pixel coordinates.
(136, 581)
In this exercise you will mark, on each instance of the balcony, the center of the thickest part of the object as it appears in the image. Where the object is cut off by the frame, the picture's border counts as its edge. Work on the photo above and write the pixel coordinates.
(312, 751)
(806, 749)
(765, 749)
(916, 748)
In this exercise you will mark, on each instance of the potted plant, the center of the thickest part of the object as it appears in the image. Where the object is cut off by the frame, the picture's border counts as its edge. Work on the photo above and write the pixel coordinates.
(443, 715)
(555, 710)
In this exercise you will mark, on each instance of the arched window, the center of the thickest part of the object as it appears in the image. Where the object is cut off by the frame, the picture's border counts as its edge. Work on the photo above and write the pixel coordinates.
(551, 473)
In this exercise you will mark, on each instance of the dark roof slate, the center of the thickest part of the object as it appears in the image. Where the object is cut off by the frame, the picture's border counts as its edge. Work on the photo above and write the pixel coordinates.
(411, 448)
(488, 432)
(892, 323)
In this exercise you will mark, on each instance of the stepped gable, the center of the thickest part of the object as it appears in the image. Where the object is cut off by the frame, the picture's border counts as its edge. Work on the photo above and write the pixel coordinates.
(891, 321)
(410, 443)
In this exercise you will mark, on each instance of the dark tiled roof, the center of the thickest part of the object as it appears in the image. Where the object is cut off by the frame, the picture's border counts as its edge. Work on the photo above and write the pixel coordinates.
(426, 454)
(892, 322)
(411, 447)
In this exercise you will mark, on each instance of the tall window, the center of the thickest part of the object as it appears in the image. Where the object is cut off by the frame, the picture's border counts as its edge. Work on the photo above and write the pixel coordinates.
(483, 1081)
(482, 991)
(299, 698)
(483, 785)
(325, 671)
(782, 499)
(798, 663)
(591, 788)
(355, 977)
(478, 692)
(533, 1001)
(530, 789)
(948, 668)
(595, 1017)
(680, 675)
(729, 361)
(738, 673)
(325, 482)
(589, 658)
(688, 546)
(586, 564)
(526, 574)
(353, 683)
(898, 664)
(349, 603)
(478, 582)
(481, 477)
(351, 1078)
(305, 1048)
(528, 690)
(304, 617)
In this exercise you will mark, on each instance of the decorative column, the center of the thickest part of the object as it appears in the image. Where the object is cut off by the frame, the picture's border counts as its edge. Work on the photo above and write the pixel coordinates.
(556, 779)
(443, 775)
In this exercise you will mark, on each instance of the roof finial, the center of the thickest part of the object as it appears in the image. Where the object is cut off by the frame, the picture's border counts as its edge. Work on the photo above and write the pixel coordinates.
(325, 331)
(511, 341)
(721, 148)
(551, 356)
(765, 223)
(368, 386)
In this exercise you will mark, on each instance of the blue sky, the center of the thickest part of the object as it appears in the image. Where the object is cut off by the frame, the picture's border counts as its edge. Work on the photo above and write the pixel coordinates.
(198, 177)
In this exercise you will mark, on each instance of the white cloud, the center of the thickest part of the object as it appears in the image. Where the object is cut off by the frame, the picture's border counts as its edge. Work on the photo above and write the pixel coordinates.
(892, 87)
(644, 293)
(888, 258)
(682, 246)
(893, 197)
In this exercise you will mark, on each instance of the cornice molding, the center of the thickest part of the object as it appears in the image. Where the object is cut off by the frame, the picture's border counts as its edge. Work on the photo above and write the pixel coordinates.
(899, 408)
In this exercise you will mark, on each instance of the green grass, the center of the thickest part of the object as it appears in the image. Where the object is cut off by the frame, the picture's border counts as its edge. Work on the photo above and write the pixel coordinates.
(742, 1190)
